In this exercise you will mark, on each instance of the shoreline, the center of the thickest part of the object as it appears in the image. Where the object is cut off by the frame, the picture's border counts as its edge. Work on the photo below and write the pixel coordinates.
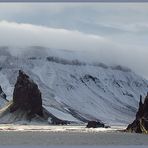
(59, 128)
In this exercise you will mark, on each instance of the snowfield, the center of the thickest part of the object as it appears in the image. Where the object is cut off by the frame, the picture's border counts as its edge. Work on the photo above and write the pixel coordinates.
(76, 91)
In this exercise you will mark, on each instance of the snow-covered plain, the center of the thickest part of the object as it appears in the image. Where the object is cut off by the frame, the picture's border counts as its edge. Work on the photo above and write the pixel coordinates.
(77, 92)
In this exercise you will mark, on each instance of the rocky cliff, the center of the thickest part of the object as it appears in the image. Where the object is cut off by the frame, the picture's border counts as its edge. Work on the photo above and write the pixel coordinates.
(27, 96)
(140, 124)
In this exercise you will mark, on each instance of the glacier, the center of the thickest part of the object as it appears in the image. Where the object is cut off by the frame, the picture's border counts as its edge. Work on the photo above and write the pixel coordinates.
(74, 90)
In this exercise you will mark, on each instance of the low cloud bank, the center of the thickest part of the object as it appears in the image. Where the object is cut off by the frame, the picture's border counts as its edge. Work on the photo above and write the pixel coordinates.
(91, 47)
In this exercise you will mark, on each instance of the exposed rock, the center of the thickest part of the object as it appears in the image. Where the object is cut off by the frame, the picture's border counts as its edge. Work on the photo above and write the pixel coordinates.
(140, 124)
(3, 98)
(27, 96)
(96, 124)
(57, 121)
(140, 111)
(27, 104)
(2, 94)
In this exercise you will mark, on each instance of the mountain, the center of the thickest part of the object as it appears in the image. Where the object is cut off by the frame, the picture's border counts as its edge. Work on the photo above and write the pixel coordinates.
(74, 90)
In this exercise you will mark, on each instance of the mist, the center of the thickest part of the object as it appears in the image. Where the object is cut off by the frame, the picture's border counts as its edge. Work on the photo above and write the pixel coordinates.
(90, 47)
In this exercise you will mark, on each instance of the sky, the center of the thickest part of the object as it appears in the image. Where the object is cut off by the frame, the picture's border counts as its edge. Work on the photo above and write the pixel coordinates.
(113, 33)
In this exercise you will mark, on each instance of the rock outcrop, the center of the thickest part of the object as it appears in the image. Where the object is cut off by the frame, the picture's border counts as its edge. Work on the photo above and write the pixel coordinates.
(140, 124)
(27, 104)
(2, 94)
(96, 124)
(27, 96)
(56, 121)
(3, 98)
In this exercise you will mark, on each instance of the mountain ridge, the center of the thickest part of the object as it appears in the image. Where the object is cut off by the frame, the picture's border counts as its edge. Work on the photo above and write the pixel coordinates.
(79, 92)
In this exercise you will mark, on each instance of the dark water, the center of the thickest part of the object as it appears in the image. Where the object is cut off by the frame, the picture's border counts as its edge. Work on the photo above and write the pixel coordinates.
(70, 138)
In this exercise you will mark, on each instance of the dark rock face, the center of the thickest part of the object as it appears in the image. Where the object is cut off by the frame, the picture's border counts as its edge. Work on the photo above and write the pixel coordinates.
(96, 124)
(140, 111)
(27, 96)
(56, 121)
(140, 124)
(2, 94)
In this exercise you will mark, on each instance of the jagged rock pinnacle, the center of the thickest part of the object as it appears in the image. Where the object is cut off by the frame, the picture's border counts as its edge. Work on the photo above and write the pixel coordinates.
(27, 96)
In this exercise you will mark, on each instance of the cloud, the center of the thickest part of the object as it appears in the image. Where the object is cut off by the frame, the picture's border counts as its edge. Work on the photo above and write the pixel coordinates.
(15, 34)
(91, 47)
(113, 33)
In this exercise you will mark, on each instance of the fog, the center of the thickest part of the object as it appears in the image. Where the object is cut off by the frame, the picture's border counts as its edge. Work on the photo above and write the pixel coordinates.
(92, 47)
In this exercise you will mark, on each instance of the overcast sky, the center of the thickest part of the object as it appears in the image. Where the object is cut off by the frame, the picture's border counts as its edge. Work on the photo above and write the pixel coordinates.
(107, 32)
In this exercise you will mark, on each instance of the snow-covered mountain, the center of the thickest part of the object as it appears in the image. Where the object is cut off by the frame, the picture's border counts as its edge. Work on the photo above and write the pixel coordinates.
(75, 90)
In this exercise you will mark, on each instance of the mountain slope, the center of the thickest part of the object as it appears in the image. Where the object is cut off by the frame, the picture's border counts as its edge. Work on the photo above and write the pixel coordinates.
(78, 91)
